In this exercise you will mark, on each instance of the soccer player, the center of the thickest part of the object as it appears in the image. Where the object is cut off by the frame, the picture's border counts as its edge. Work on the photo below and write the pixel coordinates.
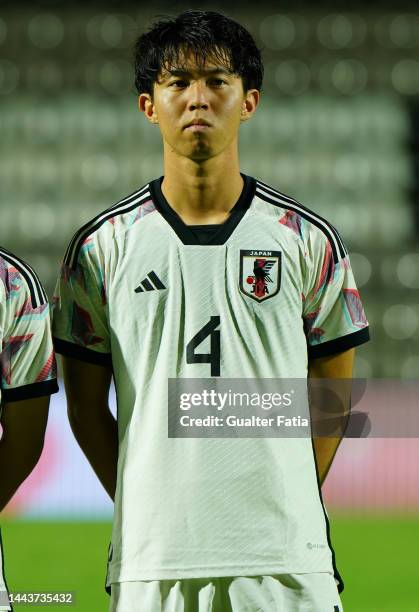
(28, 378)
(205, 272)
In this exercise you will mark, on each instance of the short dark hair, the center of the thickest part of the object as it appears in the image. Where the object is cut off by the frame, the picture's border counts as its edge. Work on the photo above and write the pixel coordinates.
(205, 34)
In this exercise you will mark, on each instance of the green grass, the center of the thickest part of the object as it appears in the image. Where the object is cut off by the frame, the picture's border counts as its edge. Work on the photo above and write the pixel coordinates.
(377, 556)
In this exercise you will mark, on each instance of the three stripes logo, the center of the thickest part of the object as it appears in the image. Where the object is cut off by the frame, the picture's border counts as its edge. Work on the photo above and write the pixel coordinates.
(150, 283)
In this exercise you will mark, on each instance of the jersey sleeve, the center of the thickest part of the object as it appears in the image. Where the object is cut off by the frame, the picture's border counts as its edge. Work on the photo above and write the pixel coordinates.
(27, 360)
(333, 315)
(80, 326)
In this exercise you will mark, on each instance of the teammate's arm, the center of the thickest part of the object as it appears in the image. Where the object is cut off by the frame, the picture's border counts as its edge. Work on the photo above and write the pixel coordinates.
(338, 366)
(94, 427)
(23, 423)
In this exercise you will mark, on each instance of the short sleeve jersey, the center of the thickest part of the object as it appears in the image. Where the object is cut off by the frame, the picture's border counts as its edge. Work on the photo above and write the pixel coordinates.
(27, 360)
(136, 286)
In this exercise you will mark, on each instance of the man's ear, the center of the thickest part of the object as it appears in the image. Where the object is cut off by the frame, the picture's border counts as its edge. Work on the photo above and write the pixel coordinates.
(146, 106)
(250, 104)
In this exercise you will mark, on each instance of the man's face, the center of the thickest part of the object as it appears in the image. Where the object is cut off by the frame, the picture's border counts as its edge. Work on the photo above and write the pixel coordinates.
(209, 94)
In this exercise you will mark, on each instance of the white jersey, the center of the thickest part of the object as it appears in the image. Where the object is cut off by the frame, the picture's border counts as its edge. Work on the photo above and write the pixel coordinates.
(27, 361)
(136, 288)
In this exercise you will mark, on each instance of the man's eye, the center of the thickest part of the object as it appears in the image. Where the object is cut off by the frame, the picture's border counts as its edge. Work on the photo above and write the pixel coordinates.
(217, 82)
(178, 83)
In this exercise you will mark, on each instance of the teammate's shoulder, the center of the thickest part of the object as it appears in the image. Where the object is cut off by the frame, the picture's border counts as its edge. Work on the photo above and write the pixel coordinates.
(18, 277)
(299, 218)
(123, 214)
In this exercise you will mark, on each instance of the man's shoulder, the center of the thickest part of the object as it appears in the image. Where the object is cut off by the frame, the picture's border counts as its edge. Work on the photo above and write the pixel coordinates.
(103, 227)
(305, 222)
(18, 278)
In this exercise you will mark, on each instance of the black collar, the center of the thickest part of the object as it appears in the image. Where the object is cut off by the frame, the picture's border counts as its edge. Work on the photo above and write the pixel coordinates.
(185, 233)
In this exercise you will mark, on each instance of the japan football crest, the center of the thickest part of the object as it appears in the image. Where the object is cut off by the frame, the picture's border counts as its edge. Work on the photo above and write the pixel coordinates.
(260, 274)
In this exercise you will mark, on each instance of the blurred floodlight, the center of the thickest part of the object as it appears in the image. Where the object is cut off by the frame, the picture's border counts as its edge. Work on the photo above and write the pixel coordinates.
(362, 268)
(107, 124)
(292, 77)
(37, 220)
(349, 76)
(116, 76)
(278, 32)
(9, 76)
(410, 367)
(335, 31)
(398, 30)
(99, 171)
(404, 30)
(46, 31)
(46, 171)
(408, 270)
(352, 169)
(400, 321)
(405, 76)
(3, 31)
(110, 31)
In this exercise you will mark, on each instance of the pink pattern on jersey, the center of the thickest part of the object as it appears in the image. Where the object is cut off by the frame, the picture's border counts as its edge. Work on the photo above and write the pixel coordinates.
(10, 348)
(315, 335)
(308, 321)
(292, 220)
(354, 306)
(49, 370)
(28, 309)
(145, 208)
(9, 275)
(327, 271)
(68, 273)
(82, 330)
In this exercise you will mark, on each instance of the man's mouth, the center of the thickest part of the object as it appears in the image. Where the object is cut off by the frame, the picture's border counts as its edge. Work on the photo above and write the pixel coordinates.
(197, 125)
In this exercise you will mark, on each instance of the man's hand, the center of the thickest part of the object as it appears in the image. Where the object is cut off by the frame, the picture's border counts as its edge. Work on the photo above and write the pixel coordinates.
(94, 427)
(24, 423)
(338, 366)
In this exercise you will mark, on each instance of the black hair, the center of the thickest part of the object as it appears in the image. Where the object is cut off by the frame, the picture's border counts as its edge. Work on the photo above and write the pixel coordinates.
(207, 35)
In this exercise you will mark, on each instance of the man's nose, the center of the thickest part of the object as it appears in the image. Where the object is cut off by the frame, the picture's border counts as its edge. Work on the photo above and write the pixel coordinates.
(198, 95)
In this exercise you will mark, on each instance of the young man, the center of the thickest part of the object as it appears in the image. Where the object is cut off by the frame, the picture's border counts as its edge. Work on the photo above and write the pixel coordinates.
(205, 272)
(28, 377)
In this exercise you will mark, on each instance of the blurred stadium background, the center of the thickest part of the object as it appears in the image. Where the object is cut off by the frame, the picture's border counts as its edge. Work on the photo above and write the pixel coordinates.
(338, 129)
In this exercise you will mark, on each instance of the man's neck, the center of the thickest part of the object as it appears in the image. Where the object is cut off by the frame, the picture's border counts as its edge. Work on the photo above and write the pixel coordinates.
(202, 193)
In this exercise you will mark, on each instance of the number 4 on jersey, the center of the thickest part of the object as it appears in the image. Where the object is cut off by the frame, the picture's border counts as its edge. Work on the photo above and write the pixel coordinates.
(213, 357)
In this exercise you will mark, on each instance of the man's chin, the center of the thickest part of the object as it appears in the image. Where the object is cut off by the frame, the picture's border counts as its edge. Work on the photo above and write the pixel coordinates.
(201, 155)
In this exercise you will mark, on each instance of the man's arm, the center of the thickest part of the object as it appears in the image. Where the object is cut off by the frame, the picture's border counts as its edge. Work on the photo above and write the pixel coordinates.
(24, 423)
(338, 366)
(94, 427)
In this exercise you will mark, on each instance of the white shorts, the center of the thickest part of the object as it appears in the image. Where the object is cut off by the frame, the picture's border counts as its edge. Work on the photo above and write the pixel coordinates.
(4, 600)
(279, 593)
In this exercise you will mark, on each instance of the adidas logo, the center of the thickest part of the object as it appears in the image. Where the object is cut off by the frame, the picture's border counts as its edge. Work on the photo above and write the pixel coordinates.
(150, 283)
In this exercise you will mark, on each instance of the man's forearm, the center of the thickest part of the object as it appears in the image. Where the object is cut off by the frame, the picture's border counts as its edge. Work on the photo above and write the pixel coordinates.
(23, 423)
(15, 466)
(330, 383)
(97, 436)
(325, 450)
